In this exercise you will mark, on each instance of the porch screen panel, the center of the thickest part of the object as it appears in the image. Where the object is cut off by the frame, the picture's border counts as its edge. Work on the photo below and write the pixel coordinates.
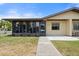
(17, 27)
(34, 27)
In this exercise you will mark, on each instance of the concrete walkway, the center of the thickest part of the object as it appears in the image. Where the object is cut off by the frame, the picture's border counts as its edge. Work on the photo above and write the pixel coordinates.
(46, 48)
(63, 38)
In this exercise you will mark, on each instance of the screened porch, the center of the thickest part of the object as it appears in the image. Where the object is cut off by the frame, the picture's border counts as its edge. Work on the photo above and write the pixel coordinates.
(35, 28)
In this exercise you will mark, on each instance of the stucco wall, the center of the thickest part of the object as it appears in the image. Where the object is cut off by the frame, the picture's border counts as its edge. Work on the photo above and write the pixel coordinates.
(64, 25)
(66, 15)
(62, 31)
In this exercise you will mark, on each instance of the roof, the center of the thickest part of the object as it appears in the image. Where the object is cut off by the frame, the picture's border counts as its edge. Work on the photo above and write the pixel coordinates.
(20, 19)
(46, 17)
(69, 9)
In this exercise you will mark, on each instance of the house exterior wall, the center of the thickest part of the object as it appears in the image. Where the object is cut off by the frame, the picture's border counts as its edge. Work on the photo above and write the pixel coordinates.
(60, 32)
(65, 26)
(66, 15)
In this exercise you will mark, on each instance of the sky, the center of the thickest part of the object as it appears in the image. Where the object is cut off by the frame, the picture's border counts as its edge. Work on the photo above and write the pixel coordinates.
(32, 10)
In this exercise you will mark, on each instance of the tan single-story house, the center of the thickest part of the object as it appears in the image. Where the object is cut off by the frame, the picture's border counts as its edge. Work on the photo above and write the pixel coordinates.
(65, 23)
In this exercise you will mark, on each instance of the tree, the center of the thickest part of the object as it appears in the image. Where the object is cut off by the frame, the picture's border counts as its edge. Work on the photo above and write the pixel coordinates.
(8, 25)
(5, 25)
(0, 23)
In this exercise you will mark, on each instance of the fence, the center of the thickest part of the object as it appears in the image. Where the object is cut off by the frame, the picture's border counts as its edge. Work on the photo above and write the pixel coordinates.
(5, 32)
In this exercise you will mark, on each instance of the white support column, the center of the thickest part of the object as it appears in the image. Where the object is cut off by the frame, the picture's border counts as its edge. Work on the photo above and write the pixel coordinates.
(70, 27)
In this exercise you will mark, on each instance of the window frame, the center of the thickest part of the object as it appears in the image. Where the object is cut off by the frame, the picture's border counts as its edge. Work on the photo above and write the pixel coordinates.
(55, 26)
(76, 26)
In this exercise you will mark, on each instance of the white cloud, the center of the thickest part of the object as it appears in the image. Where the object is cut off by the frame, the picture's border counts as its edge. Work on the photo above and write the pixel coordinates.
(75, 5)
(0, 18)
(32, 15)
(13, 13)
(2, 3)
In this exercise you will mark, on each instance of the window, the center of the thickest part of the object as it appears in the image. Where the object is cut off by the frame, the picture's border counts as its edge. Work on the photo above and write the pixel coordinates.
(76, 26)
(55, 26)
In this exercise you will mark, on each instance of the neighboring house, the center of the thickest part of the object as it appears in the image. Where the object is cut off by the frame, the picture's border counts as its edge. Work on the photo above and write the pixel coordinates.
(62, 23)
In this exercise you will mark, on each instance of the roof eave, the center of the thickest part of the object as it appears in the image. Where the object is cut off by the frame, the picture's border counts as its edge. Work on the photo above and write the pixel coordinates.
(13, 19)
(52, 15)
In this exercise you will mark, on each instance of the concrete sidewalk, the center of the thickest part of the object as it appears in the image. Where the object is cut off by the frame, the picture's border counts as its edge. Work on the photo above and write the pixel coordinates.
(46, 48)
(63, 38)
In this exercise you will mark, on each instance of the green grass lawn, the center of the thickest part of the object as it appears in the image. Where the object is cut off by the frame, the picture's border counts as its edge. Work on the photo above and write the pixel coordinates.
(67, 48)
(13, 46)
